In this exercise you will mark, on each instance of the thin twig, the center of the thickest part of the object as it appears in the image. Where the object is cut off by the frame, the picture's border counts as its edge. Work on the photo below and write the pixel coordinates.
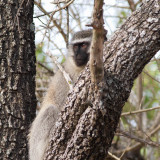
(42, 65)
(65, 74)
(51, 19)
(123, 153)
(60, 8)
(67, 9)
(140, 145)
(139, 111)
(41, 15)
(155, 130)
(151, 76)
(138, 139)
(113, 156)
(115, 6)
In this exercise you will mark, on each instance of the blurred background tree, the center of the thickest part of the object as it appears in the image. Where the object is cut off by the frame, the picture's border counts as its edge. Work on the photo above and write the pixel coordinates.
(138, 133)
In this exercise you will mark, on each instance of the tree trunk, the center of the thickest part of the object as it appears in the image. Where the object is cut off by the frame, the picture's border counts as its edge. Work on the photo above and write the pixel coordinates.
(17, 77)
(89, 120)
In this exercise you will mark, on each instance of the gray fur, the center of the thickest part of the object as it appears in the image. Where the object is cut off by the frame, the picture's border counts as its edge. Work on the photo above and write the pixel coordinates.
(53, 102)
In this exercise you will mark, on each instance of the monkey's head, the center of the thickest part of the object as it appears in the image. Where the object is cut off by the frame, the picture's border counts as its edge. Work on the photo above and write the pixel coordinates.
(80, 46)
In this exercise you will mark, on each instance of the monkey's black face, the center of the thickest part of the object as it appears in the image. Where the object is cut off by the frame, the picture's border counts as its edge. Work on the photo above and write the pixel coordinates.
(81, 55)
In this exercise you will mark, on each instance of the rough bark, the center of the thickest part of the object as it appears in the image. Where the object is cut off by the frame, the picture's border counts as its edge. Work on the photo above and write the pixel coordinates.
(17, 82)
(88, 122)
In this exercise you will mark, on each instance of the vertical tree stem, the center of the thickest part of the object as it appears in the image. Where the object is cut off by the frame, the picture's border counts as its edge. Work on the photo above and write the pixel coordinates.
(96, 52)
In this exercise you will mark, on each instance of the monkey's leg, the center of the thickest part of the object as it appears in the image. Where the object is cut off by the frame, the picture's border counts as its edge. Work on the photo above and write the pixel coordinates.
(40, 131)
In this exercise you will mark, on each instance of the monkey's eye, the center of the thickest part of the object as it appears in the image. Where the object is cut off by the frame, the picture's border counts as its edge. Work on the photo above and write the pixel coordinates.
(75, 47)
(84, 45)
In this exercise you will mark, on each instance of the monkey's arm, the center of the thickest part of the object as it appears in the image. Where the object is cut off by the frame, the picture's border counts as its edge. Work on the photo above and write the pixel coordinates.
(40, 131)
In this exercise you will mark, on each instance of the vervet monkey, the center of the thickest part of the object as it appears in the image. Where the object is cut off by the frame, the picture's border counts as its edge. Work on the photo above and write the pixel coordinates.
(42, 126)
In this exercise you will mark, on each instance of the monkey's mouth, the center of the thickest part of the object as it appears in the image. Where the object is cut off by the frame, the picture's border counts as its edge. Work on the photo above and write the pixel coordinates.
(81, 62)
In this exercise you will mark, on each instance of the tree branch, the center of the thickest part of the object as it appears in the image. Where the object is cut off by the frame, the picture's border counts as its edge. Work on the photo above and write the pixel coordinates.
(89, 120)
(45, 67)
(132, 5)
(139, 139)
(96, 51)
(140, 111)
(65, 74)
